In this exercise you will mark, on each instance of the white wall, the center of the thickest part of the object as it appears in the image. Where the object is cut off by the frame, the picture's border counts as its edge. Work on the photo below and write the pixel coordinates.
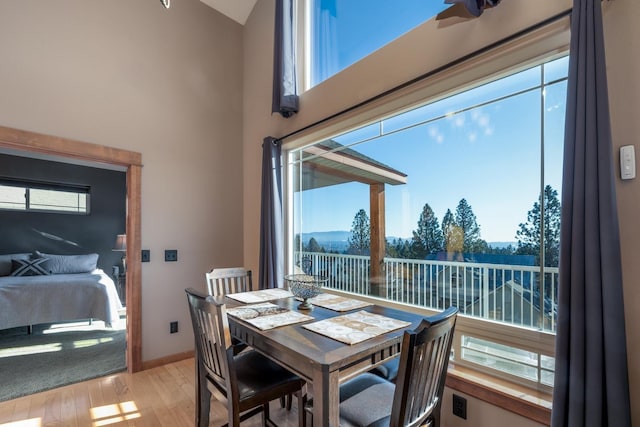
(165, 83)
(415, 54)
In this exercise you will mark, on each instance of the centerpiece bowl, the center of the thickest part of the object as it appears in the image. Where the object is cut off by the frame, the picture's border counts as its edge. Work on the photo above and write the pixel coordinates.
(305, 286)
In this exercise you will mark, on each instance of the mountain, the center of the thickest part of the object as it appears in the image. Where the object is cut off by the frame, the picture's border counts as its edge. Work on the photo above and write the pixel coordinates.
(339, 240)
(330, 240)
(502, 244)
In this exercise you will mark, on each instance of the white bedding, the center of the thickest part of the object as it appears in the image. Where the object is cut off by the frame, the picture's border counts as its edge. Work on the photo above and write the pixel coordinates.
(30, 300)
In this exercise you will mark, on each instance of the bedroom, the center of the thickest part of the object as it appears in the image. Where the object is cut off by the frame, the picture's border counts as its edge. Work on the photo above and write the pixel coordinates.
(85, 241)
(167, 84)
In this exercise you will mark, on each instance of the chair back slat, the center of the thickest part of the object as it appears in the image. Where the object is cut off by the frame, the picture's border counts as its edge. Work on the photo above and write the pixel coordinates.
(223, 281)
(422, 371)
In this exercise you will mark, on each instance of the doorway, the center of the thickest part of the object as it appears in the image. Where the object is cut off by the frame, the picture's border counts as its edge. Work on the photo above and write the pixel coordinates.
(52, 147)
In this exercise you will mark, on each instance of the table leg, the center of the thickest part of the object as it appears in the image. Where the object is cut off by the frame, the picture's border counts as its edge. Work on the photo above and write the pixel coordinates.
(326, 399)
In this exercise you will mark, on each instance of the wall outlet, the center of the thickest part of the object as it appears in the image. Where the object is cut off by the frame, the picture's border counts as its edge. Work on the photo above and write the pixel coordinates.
(460, 406)
(173, 327)
(146, 255)
(171, 255)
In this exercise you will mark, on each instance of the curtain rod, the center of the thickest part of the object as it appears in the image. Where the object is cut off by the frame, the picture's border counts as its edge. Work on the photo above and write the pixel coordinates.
(431, 73)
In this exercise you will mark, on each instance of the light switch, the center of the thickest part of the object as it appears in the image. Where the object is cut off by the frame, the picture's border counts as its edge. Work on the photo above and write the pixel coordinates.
(627, 162)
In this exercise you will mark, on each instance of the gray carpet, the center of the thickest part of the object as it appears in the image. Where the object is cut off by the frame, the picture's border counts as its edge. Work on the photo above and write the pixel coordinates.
(57, 355)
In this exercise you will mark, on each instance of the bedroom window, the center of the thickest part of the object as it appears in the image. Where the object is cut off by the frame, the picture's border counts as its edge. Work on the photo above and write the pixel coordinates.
(34, 196)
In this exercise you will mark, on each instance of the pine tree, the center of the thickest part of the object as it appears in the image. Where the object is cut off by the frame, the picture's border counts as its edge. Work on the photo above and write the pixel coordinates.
(528, 235)
(466, 220)
(428, 237)
(360, 239)
(452, 233)
(314, 246)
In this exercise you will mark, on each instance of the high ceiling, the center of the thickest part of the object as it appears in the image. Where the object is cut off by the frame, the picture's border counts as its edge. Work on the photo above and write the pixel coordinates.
(238, 10)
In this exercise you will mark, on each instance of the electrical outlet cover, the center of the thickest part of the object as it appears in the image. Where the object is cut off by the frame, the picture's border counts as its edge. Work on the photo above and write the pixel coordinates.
(171, 255)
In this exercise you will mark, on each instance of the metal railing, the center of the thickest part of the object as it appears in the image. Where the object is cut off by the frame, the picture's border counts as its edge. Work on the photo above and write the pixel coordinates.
(518, 295)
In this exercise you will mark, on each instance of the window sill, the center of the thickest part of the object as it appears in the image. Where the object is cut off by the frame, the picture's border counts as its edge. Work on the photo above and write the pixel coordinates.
(525, 402)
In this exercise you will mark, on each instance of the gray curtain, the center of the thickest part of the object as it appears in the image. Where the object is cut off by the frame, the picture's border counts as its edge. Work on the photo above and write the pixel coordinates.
(591, 381)
(271, 225)
(285, 90)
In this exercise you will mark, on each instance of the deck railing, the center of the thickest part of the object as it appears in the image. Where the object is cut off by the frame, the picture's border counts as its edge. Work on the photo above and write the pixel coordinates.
(513, 294)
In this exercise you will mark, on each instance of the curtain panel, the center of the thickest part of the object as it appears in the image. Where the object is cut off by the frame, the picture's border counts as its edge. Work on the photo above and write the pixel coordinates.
(591, 380)
(271, 220)
(285, 89)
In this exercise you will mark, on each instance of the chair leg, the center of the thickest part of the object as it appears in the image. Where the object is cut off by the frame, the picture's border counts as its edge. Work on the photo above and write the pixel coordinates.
(285, 401)
(302, 400)
(203, 398)
(266, 420)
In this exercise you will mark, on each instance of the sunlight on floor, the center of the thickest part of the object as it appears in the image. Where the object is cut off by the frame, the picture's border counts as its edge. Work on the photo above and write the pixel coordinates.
(91, 342)
(111, 414)
(65, 327)
(32, 422)
(33, 349)
(83, 326)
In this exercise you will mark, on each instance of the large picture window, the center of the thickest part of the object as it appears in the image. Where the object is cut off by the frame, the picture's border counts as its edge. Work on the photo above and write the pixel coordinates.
(456, 202)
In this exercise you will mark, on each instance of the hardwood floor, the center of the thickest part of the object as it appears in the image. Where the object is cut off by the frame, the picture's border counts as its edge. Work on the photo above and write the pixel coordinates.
(158, 397)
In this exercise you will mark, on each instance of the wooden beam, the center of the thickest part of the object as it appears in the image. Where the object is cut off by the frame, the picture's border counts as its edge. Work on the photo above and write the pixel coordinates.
(378, 240)
(134, 273)
(33, 142)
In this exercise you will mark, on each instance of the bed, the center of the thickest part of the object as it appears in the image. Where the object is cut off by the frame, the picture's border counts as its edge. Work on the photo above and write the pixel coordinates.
(57, 295)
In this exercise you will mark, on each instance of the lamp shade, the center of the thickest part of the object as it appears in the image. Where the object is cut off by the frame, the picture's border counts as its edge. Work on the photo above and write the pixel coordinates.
(121, 243)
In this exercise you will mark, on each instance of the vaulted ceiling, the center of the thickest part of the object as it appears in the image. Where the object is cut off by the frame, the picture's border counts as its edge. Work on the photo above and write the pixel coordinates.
(238, 10)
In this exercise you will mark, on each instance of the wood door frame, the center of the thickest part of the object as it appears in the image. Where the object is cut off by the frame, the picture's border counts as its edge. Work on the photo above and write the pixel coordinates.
(21, 140)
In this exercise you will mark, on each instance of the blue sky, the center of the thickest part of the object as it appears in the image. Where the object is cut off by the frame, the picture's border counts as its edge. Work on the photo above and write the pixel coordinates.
(489, 154)
(351, 29)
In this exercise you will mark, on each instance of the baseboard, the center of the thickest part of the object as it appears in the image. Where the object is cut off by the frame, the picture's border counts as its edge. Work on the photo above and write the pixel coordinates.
(149, 364)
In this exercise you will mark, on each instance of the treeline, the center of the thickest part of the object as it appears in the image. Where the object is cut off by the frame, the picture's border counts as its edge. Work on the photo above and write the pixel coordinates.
(459, 232)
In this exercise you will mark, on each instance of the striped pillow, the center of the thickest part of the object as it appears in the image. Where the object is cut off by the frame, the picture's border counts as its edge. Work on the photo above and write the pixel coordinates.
(30, 267)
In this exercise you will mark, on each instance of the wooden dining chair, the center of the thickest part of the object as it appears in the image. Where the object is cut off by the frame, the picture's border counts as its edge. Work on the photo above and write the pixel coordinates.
(416, 397)
(223, 281)
(247, 381)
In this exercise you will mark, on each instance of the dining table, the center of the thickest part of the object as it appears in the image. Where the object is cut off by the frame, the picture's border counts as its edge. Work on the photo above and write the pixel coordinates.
(322, 361)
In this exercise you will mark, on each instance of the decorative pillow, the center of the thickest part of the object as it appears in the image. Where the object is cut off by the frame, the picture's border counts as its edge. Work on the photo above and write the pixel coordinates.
(5, 262)
(30, 267)
(69, 264)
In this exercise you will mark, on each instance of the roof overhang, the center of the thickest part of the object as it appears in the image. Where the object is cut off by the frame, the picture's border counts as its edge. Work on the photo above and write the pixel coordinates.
(331, 164)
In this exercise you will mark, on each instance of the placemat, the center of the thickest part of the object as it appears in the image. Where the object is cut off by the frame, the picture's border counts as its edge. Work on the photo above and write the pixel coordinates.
(337, 302)
(267, 315)
(261, 296)
(356, 327)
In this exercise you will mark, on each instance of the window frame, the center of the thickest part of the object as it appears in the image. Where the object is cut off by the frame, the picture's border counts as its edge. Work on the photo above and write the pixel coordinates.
(27, 185)
(540, 45)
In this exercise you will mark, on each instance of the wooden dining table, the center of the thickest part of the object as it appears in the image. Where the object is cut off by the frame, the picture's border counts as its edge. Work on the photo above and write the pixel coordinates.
(322, 361)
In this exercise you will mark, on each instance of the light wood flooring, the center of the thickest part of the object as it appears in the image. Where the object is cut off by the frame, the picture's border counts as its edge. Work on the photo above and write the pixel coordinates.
(158, 397)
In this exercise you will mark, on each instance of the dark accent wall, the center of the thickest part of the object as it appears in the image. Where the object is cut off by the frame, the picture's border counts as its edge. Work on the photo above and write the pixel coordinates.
(66, 234)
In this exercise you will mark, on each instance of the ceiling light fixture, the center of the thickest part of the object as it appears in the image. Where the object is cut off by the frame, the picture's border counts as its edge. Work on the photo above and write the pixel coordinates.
(166, 3)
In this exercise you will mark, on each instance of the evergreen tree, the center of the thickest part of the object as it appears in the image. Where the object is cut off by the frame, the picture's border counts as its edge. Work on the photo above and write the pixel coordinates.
(452, 233)
(528, 235)
(466, 220)
(313, 246)
(402, 249)
(360, 239)
(428, 237)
